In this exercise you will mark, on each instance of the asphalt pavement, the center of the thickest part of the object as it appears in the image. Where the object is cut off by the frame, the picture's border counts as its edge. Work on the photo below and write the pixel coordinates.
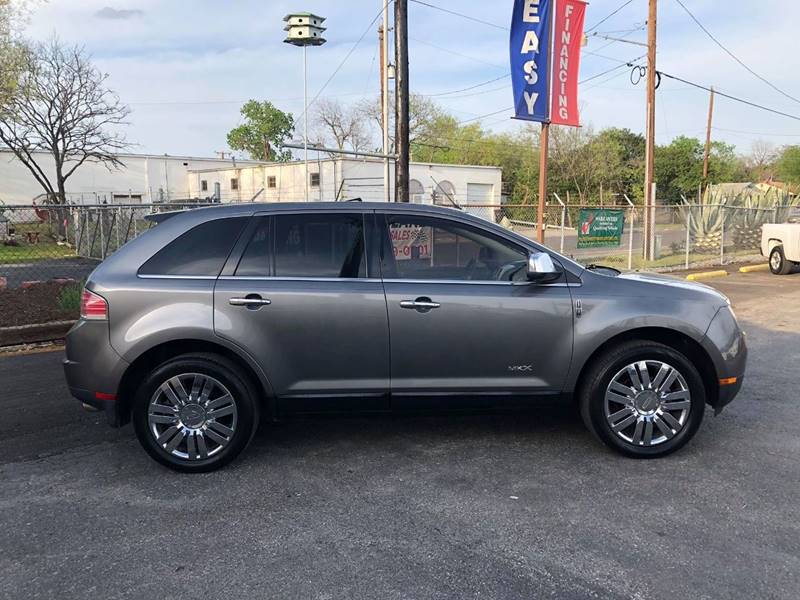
(469, 506)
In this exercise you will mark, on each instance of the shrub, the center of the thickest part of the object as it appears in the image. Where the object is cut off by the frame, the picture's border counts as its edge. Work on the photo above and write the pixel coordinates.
(70, 297)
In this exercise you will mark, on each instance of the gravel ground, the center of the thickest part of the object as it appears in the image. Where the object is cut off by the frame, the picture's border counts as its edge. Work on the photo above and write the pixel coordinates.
(470, 506)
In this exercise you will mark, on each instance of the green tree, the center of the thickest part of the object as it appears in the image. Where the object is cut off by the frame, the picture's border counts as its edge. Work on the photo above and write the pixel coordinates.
(13, 51)
(678, 168)
(788, 165)
(265, 128)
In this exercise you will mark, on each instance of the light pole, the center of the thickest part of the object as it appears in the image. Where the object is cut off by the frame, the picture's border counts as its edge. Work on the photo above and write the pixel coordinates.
(304, 29)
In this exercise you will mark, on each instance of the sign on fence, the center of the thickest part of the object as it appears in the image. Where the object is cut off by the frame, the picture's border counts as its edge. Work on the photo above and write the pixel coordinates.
(600, 227)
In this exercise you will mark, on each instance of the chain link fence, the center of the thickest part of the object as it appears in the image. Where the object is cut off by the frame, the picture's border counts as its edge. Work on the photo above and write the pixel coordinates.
(64, 243)
(46, 243)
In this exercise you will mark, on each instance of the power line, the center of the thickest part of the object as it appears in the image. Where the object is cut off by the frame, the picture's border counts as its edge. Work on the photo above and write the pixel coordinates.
(497, 112)
(480, 93)
(347, 56)
(628, 63)
(729, 96)
(466, 89)
(733, 56)
(754, 132)
(607, 17)
(462, 15)
(454, 53)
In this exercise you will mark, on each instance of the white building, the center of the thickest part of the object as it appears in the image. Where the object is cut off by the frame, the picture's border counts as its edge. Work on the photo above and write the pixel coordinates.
(161, 178)
(347, 178)
(143, 178)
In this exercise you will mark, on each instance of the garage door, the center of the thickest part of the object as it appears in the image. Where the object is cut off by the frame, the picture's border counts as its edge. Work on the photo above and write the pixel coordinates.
(480, 194)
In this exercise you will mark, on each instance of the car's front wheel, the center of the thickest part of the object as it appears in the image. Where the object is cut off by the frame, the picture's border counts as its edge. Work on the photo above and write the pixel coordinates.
(778, 263)
(195, 412)
(643, 399)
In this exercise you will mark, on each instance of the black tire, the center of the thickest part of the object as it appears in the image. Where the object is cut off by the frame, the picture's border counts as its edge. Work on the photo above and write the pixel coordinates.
(784, 267)
(242, 391)
(592, 392)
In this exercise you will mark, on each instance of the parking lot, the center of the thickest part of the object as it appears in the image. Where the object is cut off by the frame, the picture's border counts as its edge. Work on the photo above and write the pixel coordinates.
(467, 506)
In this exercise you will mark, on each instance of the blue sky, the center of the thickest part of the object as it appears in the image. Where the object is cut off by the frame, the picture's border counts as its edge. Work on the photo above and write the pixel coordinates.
(185, 67)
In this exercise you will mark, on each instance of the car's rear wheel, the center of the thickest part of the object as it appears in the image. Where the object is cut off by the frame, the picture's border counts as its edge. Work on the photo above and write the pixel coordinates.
(195, 412)
(778, 263)
(643, 399)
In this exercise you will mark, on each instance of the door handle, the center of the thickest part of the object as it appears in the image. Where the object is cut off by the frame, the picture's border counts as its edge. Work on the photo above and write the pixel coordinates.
(420, 304)
(250, 301)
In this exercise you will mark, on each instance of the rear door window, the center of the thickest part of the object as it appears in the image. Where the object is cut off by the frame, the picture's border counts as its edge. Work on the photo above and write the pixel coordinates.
(200, 252)
(256, 258)
(319, 245)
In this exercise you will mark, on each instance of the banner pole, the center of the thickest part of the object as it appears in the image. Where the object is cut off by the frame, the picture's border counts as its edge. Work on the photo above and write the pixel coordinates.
(544, 138)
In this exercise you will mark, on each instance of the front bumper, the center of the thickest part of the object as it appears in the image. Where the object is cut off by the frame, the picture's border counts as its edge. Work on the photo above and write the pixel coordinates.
(727, 345)
(93, 369)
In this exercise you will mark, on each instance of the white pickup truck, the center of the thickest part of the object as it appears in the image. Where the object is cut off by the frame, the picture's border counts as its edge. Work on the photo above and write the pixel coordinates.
(781, 243)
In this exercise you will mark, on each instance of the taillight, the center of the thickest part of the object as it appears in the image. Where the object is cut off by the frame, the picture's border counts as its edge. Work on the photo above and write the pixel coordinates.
(93, 306)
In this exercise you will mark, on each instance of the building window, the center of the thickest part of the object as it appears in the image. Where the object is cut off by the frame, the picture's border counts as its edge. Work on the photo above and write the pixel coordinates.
(203, 185)
(314, 179)
(234, 184)
(272, 182)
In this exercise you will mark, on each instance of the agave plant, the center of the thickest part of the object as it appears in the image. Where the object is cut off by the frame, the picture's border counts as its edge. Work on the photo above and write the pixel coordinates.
(782, 205)
(747, 220)
(744, 212)
(706, 223)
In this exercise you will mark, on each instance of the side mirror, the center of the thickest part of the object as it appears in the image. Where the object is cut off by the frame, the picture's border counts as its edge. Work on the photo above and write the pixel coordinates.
(541, 267)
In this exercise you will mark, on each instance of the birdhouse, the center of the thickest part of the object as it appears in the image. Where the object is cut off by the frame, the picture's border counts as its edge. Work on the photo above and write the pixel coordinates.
(304, 29)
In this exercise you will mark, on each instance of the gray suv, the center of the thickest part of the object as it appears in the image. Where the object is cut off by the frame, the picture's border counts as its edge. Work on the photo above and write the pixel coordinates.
(219, 317)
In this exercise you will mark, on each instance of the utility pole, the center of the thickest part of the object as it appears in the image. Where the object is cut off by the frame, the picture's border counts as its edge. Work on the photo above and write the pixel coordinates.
(401, 100)
(383, 36)
(650, 143)
(708, 134)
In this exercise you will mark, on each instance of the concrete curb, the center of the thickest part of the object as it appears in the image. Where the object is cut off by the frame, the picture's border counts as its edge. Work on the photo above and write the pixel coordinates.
(706, 275)
(30, 334)
(754, 268)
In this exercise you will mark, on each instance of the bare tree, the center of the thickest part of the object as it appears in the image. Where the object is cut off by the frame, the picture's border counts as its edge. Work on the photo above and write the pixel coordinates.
(422, 112)
(762, 158)
(341, 125)
(61, 106)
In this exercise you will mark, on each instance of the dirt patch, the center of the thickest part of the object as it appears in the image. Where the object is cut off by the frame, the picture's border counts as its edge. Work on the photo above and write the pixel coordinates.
(37, 304)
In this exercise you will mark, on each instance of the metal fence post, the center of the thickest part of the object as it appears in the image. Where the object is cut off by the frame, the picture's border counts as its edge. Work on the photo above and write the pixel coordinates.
(101, 220)
(632, 212)
(722, 241)
(118, 221)
(563, 218)
(688, 234)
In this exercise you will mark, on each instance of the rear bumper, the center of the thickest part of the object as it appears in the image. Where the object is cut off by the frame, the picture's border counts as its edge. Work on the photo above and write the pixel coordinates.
(93, 369)
(108, 407)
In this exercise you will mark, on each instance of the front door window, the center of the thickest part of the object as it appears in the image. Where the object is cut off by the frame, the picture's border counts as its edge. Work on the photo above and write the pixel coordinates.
(424, 248)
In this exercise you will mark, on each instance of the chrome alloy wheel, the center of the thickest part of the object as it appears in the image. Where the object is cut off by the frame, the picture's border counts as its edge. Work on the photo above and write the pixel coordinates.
(647, 403)
(193, 424)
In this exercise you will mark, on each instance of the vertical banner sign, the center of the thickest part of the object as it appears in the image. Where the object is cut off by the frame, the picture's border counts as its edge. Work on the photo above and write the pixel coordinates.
(567, 34)
(530, 44)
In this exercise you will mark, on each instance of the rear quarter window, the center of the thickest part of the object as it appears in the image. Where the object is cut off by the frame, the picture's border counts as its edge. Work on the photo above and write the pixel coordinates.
(199, 252)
